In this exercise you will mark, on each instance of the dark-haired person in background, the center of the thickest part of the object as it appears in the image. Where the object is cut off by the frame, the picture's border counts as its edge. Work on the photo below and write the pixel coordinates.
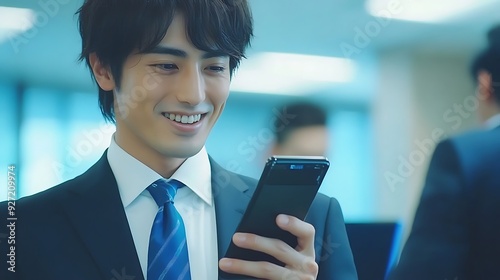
(304, 133)
(456, 230)
(163, 68)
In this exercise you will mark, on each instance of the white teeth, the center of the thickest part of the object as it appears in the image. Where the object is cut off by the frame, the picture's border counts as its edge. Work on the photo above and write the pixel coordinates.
(183, 118)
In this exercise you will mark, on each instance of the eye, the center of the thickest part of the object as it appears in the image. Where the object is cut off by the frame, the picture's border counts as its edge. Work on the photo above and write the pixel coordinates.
(217, 69)
(166, 67)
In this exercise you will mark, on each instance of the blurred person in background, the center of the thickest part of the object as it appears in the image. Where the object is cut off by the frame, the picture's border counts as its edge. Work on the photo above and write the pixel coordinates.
(456, 229)
(303, 133)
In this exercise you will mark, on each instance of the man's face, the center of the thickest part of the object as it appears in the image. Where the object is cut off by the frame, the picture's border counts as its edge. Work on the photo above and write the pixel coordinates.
(170, 98)
(484, 96)
(305, 141)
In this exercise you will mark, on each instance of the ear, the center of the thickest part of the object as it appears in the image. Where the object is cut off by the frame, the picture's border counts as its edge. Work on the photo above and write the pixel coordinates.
(102, 73)
(485, 85)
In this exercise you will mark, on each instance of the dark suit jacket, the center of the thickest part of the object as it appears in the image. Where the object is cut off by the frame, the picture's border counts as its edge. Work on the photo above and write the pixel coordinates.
(456, 231)
(79, 230)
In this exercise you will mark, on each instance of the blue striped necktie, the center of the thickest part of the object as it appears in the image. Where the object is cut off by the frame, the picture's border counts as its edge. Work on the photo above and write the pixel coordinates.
(168, 252)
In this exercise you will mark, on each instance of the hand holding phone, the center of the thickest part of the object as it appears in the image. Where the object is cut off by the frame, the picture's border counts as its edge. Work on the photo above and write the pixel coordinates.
(288, 186)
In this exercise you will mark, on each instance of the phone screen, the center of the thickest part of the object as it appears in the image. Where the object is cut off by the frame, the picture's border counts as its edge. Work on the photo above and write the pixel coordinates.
(287, 185)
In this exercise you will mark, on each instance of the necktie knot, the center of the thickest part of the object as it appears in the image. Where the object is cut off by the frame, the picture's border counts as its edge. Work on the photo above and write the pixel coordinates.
(163, 190)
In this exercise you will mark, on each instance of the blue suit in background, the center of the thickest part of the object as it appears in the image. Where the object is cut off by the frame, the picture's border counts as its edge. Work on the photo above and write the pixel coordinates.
(79, 230)
(456, 231)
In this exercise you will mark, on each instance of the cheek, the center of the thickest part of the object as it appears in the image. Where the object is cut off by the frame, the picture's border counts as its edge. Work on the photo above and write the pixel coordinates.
(129, 93)
(152, 82)
(218, 92)
(139, 91)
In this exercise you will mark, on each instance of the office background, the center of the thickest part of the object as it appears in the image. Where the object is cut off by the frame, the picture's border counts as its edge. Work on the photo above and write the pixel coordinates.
(393, 76)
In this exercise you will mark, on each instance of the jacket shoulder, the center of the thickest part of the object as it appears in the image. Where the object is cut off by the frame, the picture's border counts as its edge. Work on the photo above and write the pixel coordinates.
(48, 198)
(476, 152)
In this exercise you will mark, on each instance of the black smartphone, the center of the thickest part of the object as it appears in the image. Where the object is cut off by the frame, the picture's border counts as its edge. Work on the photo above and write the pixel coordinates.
(287, 185)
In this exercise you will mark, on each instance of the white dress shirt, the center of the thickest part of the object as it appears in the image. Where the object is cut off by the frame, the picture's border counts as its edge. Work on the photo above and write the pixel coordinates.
(492, 122)
(194, 203)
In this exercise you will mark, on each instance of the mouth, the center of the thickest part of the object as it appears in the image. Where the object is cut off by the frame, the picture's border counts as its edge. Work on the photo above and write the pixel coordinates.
(183, 119)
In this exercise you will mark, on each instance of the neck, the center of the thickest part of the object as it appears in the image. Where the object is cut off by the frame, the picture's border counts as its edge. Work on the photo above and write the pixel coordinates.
(161, 164)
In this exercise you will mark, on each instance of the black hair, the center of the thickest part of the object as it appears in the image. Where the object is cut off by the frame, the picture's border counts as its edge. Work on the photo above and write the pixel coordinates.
(113, 29)
(297, 115)
(489, 60)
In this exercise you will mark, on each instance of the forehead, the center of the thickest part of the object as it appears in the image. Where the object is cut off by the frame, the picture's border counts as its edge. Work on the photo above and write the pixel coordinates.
(176, 32)
(308, 134)
(176, 41)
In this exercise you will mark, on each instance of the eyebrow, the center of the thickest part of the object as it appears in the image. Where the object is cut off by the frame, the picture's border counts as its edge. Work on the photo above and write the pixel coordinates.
(183, 54)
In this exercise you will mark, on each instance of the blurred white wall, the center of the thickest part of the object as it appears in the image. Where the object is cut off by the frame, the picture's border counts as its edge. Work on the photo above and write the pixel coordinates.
(422, 98)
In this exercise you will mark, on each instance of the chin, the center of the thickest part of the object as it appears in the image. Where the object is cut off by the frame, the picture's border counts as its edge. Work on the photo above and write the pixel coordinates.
(182, 151)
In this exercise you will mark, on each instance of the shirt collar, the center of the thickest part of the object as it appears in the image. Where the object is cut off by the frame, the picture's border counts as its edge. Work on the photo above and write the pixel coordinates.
(493, 122)
(133, 177)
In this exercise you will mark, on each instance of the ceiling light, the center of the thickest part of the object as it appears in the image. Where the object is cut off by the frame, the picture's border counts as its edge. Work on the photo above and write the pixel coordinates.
(14, 21)
(291, 74)
(423, 10)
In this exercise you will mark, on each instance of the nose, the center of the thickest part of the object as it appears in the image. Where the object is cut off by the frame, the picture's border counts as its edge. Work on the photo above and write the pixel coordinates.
(191, 87)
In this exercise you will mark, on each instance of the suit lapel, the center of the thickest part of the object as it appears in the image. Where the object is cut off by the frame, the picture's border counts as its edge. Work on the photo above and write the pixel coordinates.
(96, 212)
(231, 196)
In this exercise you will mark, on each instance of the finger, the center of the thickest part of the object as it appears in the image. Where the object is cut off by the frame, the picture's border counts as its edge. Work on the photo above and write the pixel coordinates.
(261, 270)
(302, 230)
(274, 247)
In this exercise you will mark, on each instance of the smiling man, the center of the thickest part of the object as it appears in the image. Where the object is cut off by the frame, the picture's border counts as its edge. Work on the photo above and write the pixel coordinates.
(163, 68)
